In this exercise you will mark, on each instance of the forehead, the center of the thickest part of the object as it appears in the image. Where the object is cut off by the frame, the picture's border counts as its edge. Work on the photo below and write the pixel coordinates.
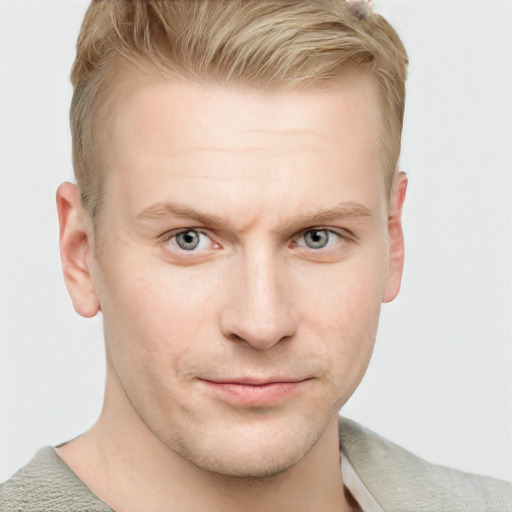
(186, 112)
(231, 136)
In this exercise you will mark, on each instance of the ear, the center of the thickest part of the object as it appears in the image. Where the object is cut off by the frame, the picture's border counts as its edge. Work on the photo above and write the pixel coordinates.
(396, 238)
(76, 250)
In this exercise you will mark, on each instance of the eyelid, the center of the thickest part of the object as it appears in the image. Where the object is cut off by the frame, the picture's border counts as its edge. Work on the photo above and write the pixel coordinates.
(174, 232)
(341, 232)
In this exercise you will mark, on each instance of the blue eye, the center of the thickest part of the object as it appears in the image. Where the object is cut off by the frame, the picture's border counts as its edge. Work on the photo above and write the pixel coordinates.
(317, 238)
(190, 240)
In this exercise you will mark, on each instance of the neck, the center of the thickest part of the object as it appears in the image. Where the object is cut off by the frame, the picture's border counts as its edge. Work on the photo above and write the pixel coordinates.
(129, 468)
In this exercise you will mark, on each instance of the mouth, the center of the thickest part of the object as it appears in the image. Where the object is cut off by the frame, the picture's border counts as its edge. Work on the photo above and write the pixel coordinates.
(255, 392)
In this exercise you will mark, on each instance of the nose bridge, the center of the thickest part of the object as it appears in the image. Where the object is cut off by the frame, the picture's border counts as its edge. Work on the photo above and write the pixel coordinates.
(260, 310)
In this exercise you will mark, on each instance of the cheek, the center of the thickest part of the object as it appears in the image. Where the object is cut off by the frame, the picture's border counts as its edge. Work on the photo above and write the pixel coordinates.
(152, 312)
(347, 295)
(343, 309)
(350, 326)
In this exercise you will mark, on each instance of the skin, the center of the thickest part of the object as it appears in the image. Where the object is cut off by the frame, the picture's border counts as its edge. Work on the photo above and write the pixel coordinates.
(227, 364)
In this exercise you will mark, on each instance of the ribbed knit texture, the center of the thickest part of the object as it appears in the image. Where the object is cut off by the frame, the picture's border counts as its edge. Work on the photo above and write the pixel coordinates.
(402, 482)
(47, 484)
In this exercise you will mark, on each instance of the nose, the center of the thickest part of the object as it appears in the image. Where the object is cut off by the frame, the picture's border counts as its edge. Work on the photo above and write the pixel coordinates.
(259, 310)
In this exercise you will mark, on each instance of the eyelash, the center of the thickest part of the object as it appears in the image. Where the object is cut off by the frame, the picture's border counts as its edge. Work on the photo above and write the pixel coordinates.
(167, 237)
(344, 235)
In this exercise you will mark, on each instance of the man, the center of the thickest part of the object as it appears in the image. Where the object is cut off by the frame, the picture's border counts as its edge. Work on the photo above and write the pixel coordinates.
(237, 221)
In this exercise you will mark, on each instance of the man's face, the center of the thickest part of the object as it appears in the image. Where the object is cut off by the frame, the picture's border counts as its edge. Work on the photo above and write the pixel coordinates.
(242, 258)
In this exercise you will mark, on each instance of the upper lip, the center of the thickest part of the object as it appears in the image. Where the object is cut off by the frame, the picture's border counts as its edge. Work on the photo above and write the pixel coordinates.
(255, 381)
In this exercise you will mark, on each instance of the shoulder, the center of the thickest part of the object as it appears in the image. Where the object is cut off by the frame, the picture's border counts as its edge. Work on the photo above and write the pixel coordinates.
(401, 481)
(47, 483)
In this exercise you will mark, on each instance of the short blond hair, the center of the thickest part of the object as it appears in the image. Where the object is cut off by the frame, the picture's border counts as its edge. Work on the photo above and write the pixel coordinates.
(258, 43)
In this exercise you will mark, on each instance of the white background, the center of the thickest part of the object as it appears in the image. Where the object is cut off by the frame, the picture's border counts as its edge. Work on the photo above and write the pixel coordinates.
(440, 380)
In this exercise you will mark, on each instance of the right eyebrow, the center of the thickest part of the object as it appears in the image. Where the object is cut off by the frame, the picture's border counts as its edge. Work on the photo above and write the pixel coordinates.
(167, 209)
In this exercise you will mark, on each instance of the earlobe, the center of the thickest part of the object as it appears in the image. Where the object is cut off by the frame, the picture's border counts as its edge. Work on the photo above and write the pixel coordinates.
(396, 238)
(76, 250)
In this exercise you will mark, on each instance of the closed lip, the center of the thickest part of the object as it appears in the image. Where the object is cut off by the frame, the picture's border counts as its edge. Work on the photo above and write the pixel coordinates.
(255, 391)
(255, 381)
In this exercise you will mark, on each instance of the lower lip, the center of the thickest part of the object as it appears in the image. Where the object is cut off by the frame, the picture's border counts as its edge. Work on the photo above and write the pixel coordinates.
(255, 395)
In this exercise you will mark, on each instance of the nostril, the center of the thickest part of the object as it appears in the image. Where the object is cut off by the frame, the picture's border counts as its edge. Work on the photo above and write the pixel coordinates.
(236, 338)
(259, 337)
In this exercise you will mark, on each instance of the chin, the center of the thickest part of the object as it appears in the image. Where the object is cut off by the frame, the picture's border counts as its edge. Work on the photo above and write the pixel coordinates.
(260, 450)
(249, 464)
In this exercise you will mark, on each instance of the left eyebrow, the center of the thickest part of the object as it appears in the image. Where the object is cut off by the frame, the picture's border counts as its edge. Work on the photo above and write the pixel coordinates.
(342, 211)
(165, 210)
